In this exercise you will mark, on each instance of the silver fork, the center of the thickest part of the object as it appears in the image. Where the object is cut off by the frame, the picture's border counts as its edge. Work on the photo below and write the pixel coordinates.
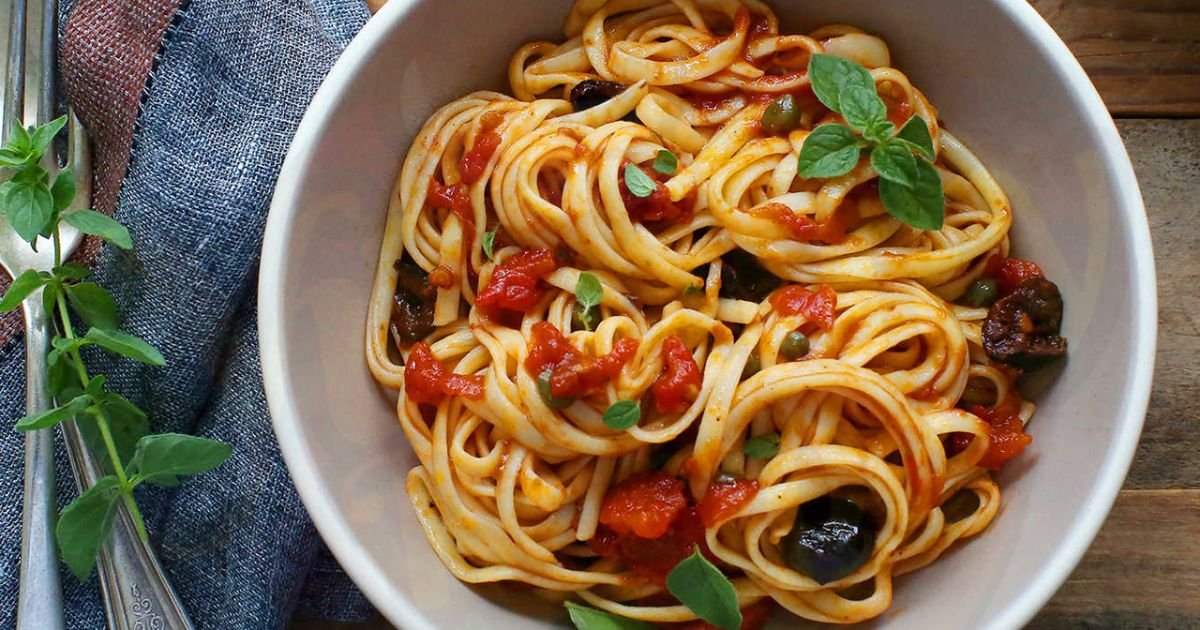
(135, 591)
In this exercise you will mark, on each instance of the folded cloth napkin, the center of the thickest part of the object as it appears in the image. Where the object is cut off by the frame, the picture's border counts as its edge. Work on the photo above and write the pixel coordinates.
(191, 106)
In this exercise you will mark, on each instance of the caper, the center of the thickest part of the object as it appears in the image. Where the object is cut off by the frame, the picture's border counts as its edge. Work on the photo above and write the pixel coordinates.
(794, 346)
(781, 116)
(753, 365)
(830, 539)
(982, 292)
(547, 395)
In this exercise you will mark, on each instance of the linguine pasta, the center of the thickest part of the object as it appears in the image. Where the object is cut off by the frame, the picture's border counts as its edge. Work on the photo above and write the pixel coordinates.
(890, 406)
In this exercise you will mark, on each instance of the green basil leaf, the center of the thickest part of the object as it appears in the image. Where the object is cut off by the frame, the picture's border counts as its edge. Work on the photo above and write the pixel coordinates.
(763, 446)
(51, 417)
(98, 224)
(95, 386)
(894, 161)
(622, 415)
(12, 157)
(172, 454)
(922, 205)
(666, 162)
(60, 375)
(127, 424)
(863, 109)
(72, 271)
(126, 345)
(693, 289)
(21, 288)
(42, 136)
(588, 293)
(18, 139)
(831, 76)
(29, 207)
(489, 242)
(829, 151)
(638, 182)
(84, 525)
(93, 303)
(879, 132)
(916, 133)
(50, 295)
(63, 190)
(700, 586)
(586, 618)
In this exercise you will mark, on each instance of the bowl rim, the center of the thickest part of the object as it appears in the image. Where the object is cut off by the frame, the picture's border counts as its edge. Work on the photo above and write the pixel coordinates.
(370, 577)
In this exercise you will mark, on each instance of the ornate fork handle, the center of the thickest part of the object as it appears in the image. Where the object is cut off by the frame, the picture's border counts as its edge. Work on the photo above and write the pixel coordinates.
(136, 593)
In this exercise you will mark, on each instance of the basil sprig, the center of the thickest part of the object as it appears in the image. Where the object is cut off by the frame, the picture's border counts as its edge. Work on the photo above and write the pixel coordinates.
(695, 582)
(112, 426)
(909, 186)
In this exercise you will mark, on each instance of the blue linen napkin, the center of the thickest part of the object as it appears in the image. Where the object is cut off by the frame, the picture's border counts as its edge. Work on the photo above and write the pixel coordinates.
(231, 83)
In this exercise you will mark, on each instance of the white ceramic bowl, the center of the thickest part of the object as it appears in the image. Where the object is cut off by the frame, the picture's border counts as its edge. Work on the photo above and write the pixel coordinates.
(1004, 83)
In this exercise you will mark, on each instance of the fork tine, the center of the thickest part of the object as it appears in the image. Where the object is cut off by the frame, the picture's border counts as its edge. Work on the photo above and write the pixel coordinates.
(40, 70)
(14, 70)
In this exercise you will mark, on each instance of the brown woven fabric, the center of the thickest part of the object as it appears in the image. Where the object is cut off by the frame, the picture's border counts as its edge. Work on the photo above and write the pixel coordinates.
(106, 55)
(105, 59)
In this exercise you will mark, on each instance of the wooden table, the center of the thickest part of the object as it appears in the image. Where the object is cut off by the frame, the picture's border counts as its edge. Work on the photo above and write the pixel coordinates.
(1143, 571)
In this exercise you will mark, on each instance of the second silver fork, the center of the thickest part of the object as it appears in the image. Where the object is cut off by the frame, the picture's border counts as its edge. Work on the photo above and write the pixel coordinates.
(134, 589)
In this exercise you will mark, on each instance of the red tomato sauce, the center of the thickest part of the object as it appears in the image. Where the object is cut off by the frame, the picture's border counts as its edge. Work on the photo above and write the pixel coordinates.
(456, 200)
(679, 383)
(573, 374)
(899, 110)
(805, 229)
(475, 161)
(724, 498)
(644, 505)
(426, 381)
(655, 504)
(515, 285)
(819, 307)
(1009, 273)
(657, 207)
(1007, 433)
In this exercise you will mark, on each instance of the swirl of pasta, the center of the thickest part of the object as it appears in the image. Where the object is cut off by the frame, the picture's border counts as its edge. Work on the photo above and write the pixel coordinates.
(676, 198)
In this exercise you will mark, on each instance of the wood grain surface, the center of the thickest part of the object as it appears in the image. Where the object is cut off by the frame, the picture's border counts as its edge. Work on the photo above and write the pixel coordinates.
(1143, 571)
(1143, 55)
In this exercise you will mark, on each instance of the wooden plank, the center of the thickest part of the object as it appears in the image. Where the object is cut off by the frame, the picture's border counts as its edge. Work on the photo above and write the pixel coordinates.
(1143, 571)
(1166, 156)
(1143, 55)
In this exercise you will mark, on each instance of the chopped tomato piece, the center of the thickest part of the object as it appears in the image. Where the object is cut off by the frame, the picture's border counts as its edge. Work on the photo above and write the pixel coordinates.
(573, 374)
(658, 205)
(455, 199)
(644, 505)
(426, 381)
(1010, 272)
(1008, 437)
(475, 161)
(653, 558)
(724, 497)
(515, 283)
(819, 307)
(805, 229)
(754, 617)
(679, 383)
